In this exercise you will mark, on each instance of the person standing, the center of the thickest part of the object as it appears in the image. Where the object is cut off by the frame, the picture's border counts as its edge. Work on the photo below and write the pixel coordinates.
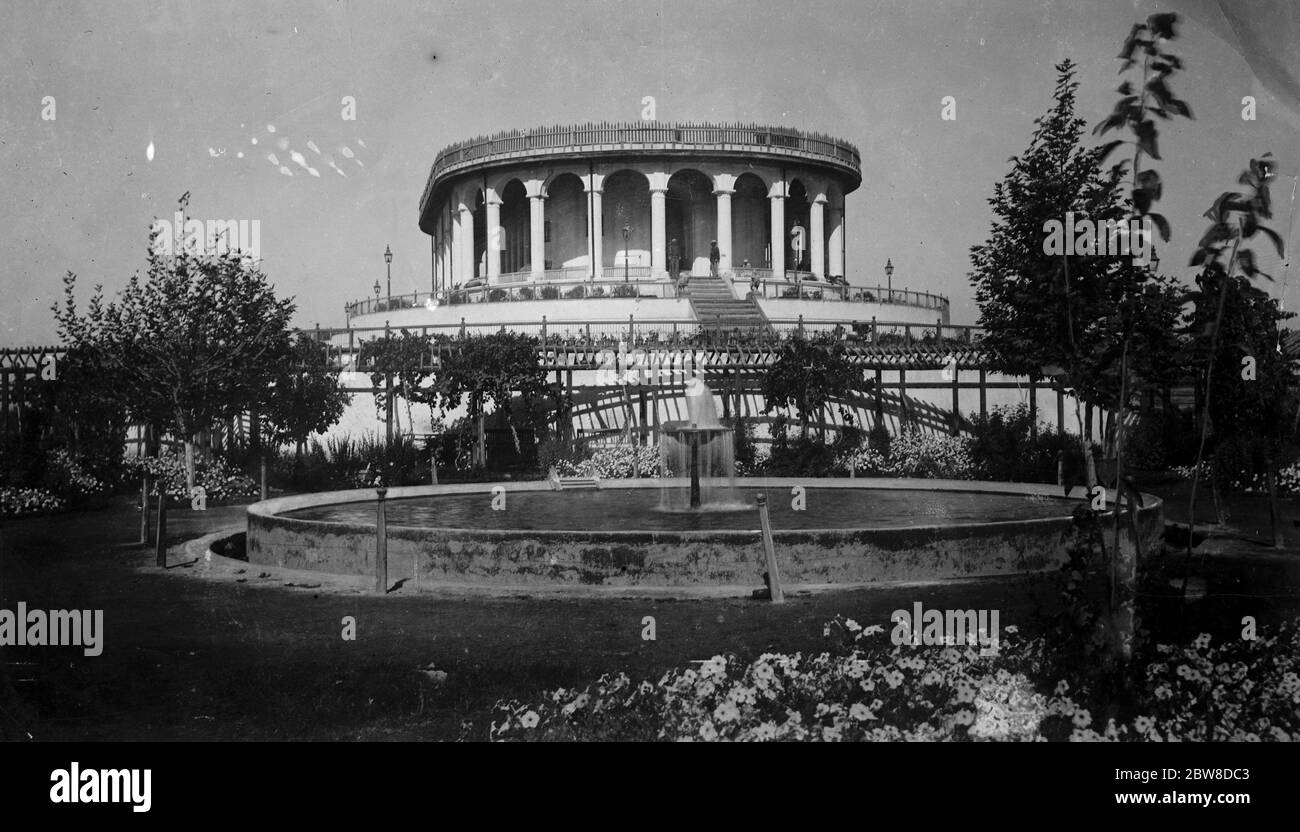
(715, 256)
(674, 258)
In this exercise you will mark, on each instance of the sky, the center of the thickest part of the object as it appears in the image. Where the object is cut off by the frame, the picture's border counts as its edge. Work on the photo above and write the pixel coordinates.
(154, 99)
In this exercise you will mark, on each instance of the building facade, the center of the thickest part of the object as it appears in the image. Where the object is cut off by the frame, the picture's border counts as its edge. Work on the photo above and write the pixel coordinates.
(638, 200)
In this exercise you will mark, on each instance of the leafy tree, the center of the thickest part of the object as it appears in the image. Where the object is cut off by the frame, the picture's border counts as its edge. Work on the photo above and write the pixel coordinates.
(405, 358)
(488, 371)
(808, 373)
(1048, 312)
(198, 340)
(305, 397)
(1232, 320)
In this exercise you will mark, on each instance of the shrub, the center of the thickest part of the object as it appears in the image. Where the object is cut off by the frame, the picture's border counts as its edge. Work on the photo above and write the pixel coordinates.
(498, 295)
(614, 462)
(64, 477)
(624, 290)
(218, 480)
(526, 293)
(576, 292)
(1004, 449)
(914, 454)
(24, 502)
(550, 293)
(596, 292)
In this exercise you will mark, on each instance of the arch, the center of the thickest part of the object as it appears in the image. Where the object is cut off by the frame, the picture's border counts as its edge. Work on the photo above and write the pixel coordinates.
(626, 204)
(515, 227)
(798, 212)
(751, 225)
(691, 218)
(566, 222)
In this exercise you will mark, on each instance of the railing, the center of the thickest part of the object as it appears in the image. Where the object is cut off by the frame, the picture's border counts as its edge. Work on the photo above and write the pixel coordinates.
(648, 134)
(802, 285)
(669, 333)
(573, 284)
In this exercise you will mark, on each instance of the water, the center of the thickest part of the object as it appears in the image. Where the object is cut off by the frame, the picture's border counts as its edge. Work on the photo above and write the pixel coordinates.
(637, 509)
(716, 455)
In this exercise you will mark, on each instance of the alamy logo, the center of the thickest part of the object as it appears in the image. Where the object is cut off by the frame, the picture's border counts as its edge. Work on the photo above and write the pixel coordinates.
(946, 627)
(213, 237)
(55, 628)
(1102, 238)
(109, 785)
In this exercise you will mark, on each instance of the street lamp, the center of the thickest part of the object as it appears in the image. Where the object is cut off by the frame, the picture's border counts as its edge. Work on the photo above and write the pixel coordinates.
(388, 260)
(889, 277)
(1153, 262)
(377, 287)
(627, 233)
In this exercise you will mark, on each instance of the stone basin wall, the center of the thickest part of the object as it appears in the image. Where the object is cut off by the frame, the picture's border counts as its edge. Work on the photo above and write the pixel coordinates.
(643, 558)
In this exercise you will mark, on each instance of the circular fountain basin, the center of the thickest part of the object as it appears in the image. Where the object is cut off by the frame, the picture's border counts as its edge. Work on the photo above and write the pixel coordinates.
(851, 531)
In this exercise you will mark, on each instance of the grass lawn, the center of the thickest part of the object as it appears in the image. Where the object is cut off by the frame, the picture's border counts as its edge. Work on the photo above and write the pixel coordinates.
(188, 658)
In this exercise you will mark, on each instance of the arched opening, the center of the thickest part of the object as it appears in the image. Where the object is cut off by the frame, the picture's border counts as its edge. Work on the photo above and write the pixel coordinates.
(566, 223)
(798, 214)
(691, 218)
(515, 227)
(626, 205)
(751, 224)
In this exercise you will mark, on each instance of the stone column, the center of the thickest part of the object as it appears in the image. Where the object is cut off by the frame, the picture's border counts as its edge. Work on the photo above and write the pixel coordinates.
(493, 238)
(836, 242)
(817, 237)
(594, 184)
(454, 246)
(537, 227)
(777, 197)
(724, 185)
(467, 258)
(658, 224)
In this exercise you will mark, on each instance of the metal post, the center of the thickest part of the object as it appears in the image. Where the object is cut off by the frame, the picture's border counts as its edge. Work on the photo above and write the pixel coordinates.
(769, 550)
(381, 543)
(160, 542)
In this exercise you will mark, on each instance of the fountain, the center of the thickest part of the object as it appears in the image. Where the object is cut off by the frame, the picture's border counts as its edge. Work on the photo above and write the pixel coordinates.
(702, 448)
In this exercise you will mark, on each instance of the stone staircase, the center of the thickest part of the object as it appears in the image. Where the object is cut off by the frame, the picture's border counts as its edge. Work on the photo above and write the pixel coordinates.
(718, 310)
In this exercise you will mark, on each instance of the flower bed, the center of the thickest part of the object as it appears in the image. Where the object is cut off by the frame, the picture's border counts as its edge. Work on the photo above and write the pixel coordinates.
(864, 689)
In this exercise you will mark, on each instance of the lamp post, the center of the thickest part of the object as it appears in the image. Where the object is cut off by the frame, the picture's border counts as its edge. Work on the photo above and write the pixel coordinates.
(1153, 262)
(377, 287)
(627, 234)
(889, 277)
(388, 261)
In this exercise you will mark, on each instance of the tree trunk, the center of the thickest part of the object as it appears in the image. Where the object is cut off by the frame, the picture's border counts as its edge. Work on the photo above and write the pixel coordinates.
(144, 510)
(189, 465)
(1124, 568)
(1271, 477)
(1085, 446)
(262, 460)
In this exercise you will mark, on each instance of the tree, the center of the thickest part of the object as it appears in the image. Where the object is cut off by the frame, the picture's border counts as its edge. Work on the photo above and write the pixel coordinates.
(809, 373)
(1231, 312)
(489, 370)
(1064, 311)
(196, 341)
(305, 397)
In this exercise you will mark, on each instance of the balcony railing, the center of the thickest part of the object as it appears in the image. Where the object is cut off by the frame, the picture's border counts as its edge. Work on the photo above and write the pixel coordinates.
(651, 135)
(575, 284)
(675, 332)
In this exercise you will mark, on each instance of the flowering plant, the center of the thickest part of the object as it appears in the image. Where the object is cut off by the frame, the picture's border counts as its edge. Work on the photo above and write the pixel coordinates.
(216, 478)
(863, 689)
